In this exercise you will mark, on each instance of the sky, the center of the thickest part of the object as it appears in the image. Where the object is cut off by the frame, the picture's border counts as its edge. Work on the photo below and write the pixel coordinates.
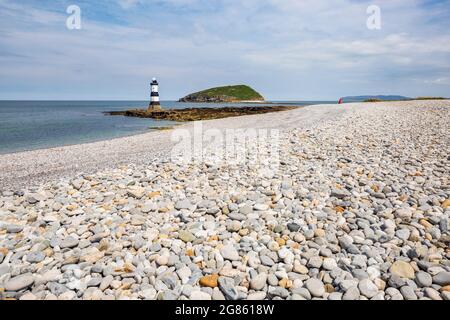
(285, 49)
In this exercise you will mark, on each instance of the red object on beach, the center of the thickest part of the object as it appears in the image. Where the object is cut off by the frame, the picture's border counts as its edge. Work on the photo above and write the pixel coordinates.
(341, 101)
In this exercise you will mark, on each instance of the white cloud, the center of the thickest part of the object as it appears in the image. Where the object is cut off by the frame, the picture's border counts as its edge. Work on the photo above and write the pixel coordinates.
(127, 4)
(287, 49)
(439, 81)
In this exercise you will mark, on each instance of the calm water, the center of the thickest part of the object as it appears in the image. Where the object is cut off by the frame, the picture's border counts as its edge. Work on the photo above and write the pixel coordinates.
(30, 125)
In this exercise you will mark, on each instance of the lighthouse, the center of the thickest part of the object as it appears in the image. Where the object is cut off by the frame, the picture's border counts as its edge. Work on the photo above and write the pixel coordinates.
(154, 96)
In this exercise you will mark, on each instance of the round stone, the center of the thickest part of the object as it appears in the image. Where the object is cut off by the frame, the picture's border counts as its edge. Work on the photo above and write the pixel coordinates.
(315, 262)
(432, 294)
(266, 261)
(408, 293)
(423, 279)
(209, 281)
(186, 236)
(293, 227)
(402, 269)
(351, 294)
(258, 282)
(403, 234)
(69, 242)
(162, 260)
(315, 287)
(442, 278)
(35, 257)
(335, 296)
(261, 207)
(329, 264)
(367, 288)
(229, 252)
(20, 282)
(299, 268)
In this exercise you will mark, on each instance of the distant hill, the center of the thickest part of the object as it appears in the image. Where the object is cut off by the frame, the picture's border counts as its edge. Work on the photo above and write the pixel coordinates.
(224, 94)
(379, 97)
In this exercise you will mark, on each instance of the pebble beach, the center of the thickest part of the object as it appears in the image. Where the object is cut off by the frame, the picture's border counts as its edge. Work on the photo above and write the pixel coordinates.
(358, 209)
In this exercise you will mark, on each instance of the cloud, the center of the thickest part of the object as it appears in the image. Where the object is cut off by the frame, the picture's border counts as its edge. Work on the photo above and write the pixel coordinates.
(288, 49)
(439, 81)
(126, 4)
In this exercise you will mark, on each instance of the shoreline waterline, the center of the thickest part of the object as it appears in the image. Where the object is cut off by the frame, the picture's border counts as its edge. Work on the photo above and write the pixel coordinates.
(28, 169)
(34, 125)
(25, 169)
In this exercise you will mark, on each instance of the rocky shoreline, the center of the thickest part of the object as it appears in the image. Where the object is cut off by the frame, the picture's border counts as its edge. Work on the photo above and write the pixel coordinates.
(199, 114)
(358, 209)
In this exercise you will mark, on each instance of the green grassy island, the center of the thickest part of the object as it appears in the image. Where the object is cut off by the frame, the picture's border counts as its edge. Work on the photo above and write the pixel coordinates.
(238, 93)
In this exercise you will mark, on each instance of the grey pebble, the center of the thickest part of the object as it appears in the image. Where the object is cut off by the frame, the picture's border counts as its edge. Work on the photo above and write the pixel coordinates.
(315, 287)
(35, 257)
(351, 294)
(68, 242)
(442, 278)
(228, 289)
(408, 293)
(423, 279)
(19, 282)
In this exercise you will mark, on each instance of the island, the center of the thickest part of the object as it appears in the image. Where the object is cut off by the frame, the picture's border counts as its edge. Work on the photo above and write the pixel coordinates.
(375, 98)
(236, 93)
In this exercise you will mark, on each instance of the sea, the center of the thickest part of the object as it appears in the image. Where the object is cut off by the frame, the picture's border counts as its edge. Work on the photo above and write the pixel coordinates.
(31, 125)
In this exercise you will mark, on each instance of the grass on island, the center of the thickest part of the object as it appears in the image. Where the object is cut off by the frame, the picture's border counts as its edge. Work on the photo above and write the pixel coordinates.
(225, 94)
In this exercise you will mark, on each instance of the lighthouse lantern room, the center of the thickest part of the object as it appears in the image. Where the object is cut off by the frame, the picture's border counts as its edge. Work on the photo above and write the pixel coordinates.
(154, 96)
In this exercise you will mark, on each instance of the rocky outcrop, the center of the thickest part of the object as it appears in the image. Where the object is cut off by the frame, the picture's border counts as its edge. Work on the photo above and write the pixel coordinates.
(204, 99)
(197, 114)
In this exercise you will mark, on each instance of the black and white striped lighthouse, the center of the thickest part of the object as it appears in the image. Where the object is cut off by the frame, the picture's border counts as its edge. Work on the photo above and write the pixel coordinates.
(154, 96)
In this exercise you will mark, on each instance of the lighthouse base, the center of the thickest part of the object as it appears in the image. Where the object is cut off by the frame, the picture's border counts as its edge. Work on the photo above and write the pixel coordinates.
(154, 106)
